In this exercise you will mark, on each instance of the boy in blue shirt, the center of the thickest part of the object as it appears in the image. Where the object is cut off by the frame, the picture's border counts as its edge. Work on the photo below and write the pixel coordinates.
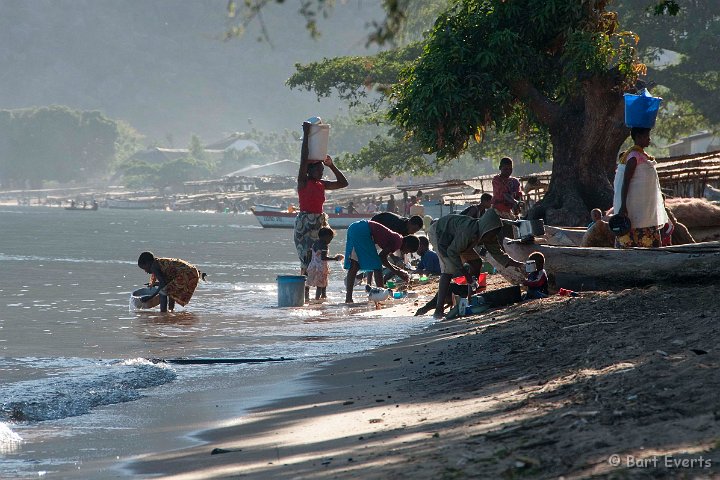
(429, 261)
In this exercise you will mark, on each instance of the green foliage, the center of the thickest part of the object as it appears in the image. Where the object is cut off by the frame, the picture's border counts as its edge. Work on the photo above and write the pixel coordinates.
(127, 143)
(352, 78)
(665, 7)
(170, 174)
(196, 151)
(688, 32)
(59, 144)
(175, 172)
(485, 61)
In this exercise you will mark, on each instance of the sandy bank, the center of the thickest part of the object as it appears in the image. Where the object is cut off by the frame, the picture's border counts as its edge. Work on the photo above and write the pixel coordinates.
(539, 390)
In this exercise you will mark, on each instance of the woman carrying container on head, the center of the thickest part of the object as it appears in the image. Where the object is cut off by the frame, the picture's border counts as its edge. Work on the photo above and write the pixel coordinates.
(638, 196)
(311, 195)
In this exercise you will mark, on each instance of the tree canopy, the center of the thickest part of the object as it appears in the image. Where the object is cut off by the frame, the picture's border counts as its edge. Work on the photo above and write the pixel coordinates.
(508, 65)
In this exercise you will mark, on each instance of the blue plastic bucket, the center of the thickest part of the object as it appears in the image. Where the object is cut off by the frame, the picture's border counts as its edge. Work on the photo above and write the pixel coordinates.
(641, 110)
(291, 290)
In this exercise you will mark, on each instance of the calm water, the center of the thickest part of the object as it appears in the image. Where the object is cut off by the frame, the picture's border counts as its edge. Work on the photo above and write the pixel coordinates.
(76, 395)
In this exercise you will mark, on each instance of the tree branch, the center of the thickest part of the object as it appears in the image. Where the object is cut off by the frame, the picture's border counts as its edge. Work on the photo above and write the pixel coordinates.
(546, 111)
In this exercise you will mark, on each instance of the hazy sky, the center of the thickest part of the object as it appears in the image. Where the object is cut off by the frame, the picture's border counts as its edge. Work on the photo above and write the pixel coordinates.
(161, 64)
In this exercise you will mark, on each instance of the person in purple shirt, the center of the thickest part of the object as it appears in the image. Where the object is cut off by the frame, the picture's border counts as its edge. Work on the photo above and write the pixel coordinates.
(363, 238)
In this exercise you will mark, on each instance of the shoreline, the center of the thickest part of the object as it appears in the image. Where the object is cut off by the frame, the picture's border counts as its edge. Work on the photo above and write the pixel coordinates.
(540, 389)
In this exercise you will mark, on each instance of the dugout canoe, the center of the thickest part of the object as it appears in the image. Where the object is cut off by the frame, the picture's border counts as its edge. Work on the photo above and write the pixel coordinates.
(592, 268)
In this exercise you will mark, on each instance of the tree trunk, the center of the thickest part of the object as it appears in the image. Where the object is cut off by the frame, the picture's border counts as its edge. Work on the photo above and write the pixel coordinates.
(586, 136)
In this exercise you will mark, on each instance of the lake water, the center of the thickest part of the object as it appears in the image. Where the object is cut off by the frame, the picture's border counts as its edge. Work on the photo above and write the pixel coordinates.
(77, 395)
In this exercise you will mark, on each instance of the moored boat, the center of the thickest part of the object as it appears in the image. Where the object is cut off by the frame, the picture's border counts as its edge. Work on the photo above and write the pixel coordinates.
(275, 219)
(82, 209)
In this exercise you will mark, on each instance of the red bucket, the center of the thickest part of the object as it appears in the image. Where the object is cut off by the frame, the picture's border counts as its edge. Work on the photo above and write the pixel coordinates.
(482, 280)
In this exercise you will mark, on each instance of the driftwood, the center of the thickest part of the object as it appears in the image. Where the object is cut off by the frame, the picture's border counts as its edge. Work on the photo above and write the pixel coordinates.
(212, 361)
(580, 268)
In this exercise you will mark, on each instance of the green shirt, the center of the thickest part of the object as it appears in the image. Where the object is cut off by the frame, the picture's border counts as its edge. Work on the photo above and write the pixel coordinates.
(459, 233)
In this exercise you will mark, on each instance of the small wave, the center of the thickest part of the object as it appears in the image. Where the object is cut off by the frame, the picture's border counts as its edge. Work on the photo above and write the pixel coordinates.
(8, 438)
(79, 390)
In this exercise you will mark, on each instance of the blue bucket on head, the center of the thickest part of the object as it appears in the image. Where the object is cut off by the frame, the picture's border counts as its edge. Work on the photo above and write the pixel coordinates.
(641, 110)
(291, 290)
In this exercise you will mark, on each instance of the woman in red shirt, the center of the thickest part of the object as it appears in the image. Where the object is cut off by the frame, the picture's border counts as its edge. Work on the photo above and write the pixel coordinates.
(311, 193)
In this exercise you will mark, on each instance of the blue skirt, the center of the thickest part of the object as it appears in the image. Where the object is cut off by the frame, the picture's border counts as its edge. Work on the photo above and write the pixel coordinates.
(361, 247)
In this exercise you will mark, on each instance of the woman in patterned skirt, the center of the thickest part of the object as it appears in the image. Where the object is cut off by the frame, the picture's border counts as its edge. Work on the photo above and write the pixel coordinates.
(638, 195)
(174, 280)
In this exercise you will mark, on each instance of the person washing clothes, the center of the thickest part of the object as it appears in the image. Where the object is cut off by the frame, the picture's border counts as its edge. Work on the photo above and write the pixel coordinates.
(173, 279)
(363, 239)
(455, 238)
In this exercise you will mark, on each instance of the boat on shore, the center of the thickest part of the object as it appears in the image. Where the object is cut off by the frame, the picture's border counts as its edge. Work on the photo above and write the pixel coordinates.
(285, 219)
(92, 208)
(595, 268)
(137, 203)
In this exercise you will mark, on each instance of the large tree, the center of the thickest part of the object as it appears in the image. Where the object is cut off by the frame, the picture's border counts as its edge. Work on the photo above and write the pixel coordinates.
(556, 65)
(529, 71)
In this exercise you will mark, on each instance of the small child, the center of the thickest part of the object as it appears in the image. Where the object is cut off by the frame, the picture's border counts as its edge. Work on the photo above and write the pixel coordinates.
(429, 261)
(537, 281)
(174, 280)
(596, 215)
(318, 269)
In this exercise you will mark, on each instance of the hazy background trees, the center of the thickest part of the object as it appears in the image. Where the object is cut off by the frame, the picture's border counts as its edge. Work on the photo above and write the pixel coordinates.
(161, 71)
(59, 144)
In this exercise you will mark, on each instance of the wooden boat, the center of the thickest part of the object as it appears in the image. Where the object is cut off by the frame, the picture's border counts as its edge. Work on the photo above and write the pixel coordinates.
(92, 208)
(572, 236)
(565, 236)
(274, 219)
(591, 268)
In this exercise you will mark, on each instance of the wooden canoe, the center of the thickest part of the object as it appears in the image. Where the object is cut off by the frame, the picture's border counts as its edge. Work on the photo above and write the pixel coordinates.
(590, 268)
(564, 236)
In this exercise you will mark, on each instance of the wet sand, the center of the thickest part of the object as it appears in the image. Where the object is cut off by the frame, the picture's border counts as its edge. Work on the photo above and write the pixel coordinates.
(549, 388)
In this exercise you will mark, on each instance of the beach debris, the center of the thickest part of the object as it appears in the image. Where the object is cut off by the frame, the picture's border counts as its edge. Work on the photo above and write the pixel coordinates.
(211, 361)
(217, 451)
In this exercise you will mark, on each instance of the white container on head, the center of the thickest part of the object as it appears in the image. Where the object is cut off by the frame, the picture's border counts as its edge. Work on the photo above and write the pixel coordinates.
(318, 138)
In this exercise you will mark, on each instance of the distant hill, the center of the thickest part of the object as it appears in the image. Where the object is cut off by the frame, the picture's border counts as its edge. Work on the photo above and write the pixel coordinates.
(161, 64)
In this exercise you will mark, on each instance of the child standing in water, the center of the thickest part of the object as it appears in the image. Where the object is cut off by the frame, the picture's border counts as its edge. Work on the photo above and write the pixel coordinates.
(318, 270)
(174, 280)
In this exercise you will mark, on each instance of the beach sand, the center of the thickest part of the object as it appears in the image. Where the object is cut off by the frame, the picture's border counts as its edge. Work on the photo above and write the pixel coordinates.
(542, 389)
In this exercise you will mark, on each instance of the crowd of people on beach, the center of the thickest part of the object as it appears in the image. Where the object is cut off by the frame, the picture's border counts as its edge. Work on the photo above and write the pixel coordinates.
(453, 245)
